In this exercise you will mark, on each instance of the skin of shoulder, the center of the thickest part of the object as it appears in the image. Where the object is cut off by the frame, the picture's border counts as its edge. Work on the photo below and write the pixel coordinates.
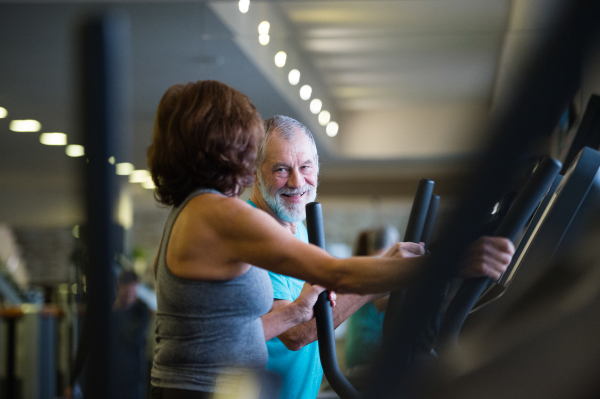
(196, 249)
(218, 238)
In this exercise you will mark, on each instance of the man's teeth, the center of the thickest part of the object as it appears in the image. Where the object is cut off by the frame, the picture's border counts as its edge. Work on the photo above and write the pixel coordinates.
(294, 195)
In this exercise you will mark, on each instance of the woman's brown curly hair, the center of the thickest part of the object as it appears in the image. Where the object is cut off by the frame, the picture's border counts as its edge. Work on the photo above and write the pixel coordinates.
(205, 136)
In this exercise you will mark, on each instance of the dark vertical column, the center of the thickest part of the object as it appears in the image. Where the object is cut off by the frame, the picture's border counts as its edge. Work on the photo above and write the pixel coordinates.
(105, 52)
(46, 357)
(11, 345)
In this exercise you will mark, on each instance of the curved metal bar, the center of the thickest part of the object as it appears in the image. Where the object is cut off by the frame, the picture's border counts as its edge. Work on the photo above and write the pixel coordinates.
(324, 315)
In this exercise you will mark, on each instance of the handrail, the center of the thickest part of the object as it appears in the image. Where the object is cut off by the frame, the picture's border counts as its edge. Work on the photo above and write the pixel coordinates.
(414, 231)
(324, 315)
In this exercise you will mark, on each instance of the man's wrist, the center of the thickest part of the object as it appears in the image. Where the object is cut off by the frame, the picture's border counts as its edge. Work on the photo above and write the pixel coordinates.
(295, 313)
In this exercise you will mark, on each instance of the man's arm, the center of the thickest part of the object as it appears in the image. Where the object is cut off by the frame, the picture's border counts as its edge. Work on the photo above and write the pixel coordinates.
(303, 334)
(282, 318)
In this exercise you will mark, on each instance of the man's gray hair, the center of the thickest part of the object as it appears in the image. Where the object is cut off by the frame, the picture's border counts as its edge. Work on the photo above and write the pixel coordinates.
(286, 129)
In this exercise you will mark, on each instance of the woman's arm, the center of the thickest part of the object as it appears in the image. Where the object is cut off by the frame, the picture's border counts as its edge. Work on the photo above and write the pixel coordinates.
(251, 236)
(241, 234)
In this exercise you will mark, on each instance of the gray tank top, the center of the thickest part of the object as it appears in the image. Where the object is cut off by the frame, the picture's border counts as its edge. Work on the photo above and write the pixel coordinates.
(207, 328)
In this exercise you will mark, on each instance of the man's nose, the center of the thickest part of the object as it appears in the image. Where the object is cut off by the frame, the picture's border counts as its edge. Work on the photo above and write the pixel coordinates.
(296, 179)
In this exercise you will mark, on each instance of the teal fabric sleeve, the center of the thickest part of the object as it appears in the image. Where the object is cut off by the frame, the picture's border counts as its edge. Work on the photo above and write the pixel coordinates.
(301, 370)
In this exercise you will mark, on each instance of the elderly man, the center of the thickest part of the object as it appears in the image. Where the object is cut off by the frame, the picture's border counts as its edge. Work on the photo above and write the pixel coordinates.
(287, 167)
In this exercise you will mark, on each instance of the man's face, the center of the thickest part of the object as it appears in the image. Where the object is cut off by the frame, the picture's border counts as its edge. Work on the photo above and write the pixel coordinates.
(127, 294)
(289, 176)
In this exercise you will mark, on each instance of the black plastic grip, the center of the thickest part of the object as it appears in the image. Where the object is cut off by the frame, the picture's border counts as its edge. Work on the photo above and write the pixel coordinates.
(434, 204)
(324, 315)
(414, 231)
(418, 212)
(314, 224)
(514, 221)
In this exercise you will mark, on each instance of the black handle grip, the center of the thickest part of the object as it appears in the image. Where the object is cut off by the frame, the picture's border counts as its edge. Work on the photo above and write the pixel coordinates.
(434, 205)
(514, 221)
(418, 212)
(414, 231)
(324, 315)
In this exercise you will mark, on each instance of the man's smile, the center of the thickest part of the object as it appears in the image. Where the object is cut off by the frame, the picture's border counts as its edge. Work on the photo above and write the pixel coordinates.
(294, 195)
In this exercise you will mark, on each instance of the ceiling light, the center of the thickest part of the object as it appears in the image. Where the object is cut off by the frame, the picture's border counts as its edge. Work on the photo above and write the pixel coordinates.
(53, 138)
(149, 184)
(3, 112)
(111, 160)
(75, 150)
(25, 125)
(263, 39)
(332, 129)
(294, 77)
(139, 176)
(263, 28)
(305, 92)
(280, 58)
(324, 117)
(124, 168)
(244, 5)
(315, 106)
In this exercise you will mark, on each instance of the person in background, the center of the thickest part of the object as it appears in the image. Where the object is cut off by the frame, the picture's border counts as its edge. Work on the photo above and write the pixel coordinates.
(130, 320)
(365, 326)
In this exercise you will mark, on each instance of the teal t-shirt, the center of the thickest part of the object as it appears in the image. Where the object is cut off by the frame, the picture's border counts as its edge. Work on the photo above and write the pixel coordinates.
(363, 337)
(300, 370)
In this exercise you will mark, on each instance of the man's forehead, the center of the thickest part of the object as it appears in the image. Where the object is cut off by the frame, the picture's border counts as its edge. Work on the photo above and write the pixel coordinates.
(279, 147)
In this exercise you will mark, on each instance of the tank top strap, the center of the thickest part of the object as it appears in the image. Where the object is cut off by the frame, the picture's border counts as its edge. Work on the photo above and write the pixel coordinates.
(173, 214)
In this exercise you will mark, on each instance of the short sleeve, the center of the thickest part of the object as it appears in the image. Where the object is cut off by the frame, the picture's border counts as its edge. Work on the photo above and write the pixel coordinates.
(302, 233)
(281, 288)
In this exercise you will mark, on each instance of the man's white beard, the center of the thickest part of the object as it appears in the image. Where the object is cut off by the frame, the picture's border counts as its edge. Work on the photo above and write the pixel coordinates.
(289, 212)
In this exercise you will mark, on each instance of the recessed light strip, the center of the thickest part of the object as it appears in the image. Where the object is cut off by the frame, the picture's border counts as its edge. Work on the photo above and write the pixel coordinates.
(53, 138)
(25, 125)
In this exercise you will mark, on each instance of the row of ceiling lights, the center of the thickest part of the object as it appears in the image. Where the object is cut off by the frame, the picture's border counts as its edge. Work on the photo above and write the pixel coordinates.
(76, 150)
(324, 117)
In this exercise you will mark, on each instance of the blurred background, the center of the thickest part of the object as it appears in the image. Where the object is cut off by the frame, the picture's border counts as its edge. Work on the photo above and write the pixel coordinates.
(393, 91)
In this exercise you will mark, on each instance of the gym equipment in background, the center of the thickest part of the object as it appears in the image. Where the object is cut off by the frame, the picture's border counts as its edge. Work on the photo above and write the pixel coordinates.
(515, 220)
(419, 227)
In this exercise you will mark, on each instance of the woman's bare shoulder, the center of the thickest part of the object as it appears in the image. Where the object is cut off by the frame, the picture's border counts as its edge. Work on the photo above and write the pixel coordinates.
(217, 206)
(225, 213)
(199, 238)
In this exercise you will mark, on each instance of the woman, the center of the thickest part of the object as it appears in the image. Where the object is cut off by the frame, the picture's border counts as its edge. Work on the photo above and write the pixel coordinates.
(210, 298)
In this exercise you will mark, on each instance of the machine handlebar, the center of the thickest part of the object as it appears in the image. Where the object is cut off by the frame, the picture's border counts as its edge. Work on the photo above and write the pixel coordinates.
(515, 220)
(324, 315)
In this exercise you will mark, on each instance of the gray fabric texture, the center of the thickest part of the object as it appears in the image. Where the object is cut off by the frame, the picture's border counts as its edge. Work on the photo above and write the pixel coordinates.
(206, 329)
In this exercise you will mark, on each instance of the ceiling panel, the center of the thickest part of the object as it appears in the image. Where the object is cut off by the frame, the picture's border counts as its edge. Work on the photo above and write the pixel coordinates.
(402, 51)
